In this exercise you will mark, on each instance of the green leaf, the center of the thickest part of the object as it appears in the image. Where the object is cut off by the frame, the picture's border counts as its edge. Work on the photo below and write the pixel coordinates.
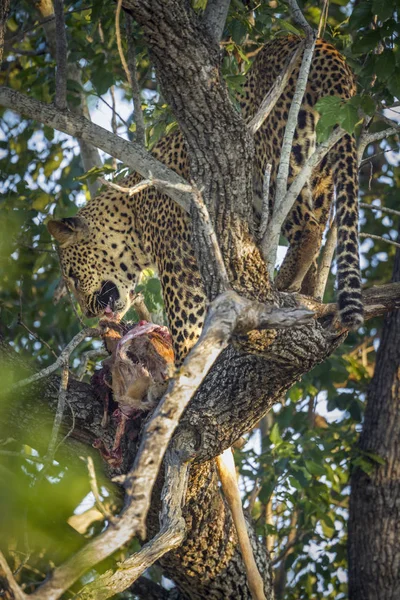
(275, 436)
(394, 85)
(288, 26)
(385, 64)
(361, 16)
(348, 117)
(328, 107)
(383, 9)
(314, 468)
(368, 105)
(367, 42)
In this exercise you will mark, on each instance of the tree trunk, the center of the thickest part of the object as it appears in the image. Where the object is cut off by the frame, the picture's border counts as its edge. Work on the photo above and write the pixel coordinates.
(374, 524)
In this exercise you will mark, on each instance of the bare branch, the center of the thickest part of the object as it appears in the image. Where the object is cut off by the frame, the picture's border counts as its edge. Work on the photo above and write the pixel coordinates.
(275, 92)
(390, 211)
(271, 237)
(211, 239)
(131, 154)
(12, 584)
(283, 172)
(137, 102)
(215, 17)
(146, 183)
(323, 19)
(282, 204)
(326, 260)
(369, 138)
(86, 357)
(265, 203)
(379, 238)
(377, 301)
(170, 536)
(227, 475)
(299, 18)
(62, 360)
(61, 56)
(95, 490)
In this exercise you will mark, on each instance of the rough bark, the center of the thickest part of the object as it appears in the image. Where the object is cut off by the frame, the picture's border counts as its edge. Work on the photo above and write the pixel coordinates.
(220, 146)
(374, 523)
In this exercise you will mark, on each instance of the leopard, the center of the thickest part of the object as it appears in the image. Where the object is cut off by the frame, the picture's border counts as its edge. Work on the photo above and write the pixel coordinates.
(115, 236)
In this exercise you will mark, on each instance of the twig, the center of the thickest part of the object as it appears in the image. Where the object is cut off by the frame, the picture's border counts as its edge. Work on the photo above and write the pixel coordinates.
(323, 19)
(214, 18)
(229, 312)
(265, 203)
(211, 238)
(379, 238)
(140, 136)
(275, 92)
(369, 138)
(130, 153)
(18, 594)
(61, 360)
(119, 42)
(95, 490)
(37, 337)
(170, 536)
(390, 211)
(253, 495)
(85, 357)
(271, 237)
(326, 260)
(61, 56)
(24, 456)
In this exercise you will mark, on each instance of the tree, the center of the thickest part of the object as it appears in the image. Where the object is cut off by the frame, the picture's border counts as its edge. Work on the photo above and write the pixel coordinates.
(313, 477)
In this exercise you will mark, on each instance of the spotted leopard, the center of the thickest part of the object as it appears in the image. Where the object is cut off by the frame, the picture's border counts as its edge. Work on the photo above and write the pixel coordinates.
(114, 237)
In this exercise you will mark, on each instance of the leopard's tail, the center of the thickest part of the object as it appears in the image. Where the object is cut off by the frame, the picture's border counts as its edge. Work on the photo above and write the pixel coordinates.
(345, 175)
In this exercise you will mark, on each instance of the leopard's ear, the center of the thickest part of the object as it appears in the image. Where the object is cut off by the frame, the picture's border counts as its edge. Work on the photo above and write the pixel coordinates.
(69, 231)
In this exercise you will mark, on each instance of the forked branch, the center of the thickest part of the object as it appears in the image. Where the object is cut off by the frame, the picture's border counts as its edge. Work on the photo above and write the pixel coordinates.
(170, 536)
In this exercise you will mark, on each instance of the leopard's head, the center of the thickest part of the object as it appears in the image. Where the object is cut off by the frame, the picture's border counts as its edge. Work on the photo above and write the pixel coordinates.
(97, 264)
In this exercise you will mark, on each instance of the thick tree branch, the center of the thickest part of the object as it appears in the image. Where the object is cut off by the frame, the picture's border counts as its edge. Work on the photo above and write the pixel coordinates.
(214, 18)
(131, 154)
(377, 301)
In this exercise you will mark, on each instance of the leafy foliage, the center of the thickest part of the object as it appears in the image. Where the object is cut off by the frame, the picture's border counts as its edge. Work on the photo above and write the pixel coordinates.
(302, 454)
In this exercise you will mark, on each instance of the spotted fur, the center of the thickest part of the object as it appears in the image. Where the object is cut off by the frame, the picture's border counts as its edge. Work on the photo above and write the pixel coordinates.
(336, 174)
(103, 249)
